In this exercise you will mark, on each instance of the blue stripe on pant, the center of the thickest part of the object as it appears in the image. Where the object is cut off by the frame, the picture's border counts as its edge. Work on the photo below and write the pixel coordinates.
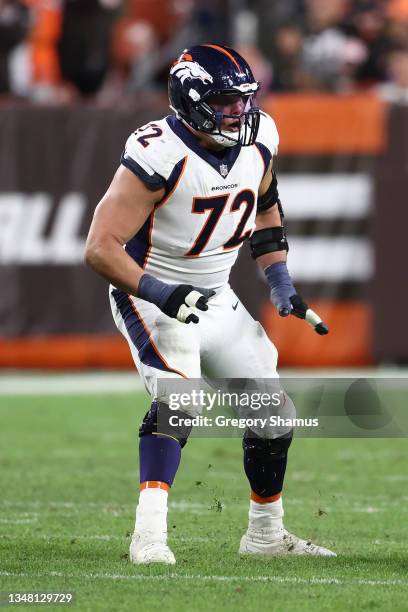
(138, 333)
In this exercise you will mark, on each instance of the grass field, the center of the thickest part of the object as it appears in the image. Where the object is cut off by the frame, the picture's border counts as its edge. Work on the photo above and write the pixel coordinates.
(69, 480)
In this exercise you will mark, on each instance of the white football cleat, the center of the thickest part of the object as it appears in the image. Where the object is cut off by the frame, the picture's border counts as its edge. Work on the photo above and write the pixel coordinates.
(279, 542)
(144, 550)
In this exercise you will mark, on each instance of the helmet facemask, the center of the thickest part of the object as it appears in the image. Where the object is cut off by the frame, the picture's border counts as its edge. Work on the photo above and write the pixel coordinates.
(246, 123)
(205, 118)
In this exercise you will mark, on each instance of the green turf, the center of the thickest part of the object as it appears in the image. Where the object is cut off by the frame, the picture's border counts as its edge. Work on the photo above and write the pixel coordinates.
(68, 489)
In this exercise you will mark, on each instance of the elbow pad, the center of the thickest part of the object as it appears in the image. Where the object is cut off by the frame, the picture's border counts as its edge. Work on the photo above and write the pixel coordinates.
(268, 241)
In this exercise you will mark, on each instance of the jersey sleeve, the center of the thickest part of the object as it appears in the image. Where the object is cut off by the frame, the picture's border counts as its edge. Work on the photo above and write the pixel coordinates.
(141, 161)
(267, 140)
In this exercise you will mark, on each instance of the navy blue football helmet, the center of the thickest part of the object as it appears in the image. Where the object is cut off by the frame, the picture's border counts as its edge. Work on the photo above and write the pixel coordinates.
(205, 71)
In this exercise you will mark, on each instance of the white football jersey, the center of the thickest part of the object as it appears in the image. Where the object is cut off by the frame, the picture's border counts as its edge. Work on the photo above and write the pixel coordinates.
(195, 232)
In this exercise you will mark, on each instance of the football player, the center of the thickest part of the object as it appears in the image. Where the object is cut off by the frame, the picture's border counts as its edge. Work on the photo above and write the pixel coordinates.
(190, 189)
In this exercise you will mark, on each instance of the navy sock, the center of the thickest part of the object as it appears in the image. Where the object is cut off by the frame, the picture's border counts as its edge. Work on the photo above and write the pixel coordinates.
(159, 458)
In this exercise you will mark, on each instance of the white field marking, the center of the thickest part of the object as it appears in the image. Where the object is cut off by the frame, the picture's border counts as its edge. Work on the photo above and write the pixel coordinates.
(357, 503)
(174, 538)
(108, 507)
(395, 478)
(331, 477)
(203, 578)
(67, 453)
(298, 476)
(348, 455)
(367, 510)
(63, 504)
(303, 476)
(124, 538)
(12, 521)
(187, 505)
(102, 537)
(69, 384)
(381, 499)
(65, 536)
(207, 508)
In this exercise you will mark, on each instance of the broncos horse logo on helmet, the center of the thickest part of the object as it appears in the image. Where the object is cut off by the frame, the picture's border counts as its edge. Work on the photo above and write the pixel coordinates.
(204, 71)
(190, 70)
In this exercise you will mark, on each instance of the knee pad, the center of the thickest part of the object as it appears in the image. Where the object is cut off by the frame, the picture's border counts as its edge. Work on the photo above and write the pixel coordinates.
(276, 448)
(157, 421)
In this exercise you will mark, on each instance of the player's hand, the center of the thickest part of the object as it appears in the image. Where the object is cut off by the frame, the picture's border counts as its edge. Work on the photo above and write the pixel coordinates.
(281, 287)
(287, 301)
(179, 302)
(184, 300)
(302, 311)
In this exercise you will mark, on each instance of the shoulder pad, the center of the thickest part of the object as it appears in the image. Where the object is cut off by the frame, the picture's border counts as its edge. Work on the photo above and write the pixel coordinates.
(268, 134)
(151, 153)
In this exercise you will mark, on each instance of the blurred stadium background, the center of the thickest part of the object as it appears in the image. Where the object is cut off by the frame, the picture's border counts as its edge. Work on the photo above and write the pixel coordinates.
(77, 76)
